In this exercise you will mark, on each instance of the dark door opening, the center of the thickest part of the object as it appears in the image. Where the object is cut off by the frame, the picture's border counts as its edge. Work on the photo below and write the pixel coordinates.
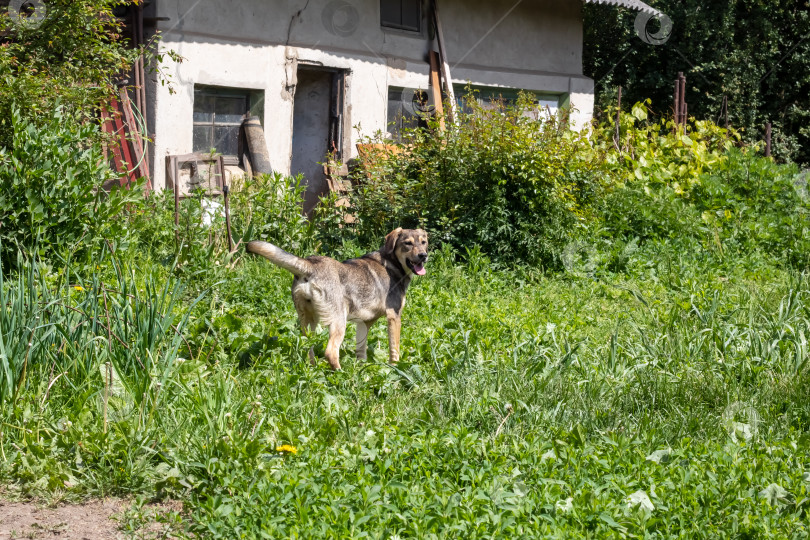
(317, 127)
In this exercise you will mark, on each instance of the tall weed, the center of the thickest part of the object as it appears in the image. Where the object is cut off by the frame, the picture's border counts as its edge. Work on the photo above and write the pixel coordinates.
(125, 328)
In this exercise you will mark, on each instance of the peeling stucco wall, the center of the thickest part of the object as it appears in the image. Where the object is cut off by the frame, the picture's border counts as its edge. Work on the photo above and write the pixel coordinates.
(258, 44)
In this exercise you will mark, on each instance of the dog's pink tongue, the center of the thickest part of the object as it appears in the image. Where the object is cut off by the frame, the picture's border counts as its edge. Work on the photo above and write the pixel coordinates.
(419, 270)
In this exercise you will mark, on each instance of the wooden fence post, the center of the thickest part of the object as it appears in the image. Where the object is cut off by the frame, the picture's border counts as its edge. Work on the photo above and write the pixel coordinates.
(768, 139)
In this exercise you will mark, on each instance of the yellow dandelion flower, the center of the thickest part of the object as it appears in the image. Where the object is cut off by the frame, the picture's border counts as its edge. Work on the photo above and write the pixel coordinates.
(78, 287)
(286, 448)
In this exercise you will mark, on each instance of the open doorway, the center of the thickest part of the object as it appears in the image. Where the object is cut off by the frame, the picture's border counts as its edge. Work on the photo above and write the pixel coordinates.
(317, 127)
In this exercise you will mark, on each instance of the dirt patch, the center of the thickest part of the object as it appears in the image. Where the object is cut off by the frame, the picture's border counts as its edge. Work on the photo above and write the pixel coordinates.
(93, 520)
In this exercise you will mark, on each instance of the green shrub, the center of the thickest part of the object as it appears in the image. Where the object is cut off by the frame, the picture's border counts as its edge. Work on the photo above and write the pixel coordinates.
(73, 57)
(517, 187)
(51, 193)
(753, 203)
(699, 185)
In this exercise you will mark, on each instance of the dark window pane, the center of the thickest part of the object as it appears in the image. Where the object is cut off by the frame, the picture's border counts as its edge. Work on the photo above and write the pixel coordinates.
(203, 116)
(226, 140)
(394, 117)
(202, 139)
(411, 16)
(222, 109)
(203, 107)
(230, 109)
(391, 13)
(394, 103)
(404, 110)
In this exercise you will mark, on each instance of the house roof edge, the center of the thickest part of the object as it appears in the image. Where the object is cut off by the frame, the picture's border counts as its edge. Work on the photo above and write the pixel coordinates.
(636, 5)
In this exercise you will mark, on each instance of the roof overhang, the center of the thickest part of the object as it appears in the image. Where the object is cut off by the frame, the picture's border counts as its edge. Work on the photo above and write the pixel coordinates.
(636, 5)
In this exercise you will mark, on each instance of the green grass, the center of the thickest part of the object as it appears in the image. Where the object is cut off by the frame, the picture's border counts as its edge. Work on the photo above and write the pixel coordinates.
(525, 405)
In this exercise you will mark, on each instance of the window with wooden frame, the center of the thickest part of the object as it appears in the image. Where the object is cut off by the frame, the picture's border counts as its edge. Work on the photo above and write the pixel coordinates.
(401, 14)
(218, 116)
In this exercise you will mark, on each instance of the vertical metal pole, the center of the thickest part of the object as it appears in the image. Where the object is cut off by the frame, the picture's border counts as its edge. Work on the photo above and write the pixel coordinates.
(225, 195)
(171, 175)
(225, 198)
(725, 110)
(676, 106)
(682, 107)
(768, 139)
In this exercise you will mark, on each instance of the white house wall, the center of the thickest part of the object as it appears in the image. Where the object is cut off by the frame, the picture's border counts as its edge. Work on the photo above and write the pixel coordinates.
(255, 44)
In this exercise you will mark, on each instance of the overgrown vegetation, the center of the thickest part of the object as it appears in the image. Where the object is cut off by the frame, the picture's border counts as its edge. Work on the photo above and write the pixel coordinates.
(532, 192)
(69, 53)
(502, 180)
(754, 53)
(51, 190)
(611, 340)
(669, 398)
(57, 67)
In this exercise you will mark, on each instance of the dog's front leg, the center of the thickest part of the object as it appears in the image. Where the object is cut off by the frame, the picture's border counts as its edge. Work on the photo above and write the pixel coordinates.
(394, 326)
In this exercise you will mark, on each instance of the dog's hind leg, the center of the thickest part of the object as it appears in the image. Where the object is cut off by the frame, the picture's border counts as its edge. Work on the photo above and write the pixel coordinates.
(337, 331)
(308, 325)
(362, 339)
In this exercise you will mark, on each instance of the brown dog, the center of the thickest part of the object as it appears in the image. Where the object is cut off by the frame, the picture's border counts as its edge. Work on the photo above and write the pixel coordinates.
(362, 290)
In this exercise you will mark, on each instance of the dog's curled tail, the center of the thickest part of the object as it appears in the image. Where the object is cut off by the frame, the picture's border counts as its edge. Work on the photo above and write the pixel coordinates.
(289, 262)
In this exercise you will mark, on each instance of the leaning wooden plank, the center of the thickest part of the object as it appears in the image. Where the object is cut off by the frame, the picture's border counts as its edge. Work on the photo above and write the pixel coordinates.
(436, 88)
(120, 134)
(139, 167)
(448, 81)
(108, 126)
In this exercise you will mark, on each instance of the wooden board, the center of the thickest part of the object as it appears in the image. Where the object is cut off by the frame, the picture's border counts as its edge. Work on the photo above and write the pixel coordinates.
(436, 87)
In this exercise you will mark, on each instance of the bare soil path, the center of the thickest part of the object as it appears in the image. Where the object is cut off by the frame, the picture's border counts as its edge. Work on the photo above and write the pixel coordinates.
(92, 520)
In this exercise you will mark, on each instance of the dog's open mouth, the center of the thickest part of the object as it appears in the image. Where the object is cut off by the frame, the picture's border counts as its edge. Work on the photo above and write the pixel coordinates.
(417, 268)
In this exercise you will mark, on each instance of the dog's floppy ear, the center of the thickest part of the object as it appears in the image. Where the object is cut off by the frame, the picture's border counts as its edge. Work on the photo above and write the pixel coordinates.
(391, 241)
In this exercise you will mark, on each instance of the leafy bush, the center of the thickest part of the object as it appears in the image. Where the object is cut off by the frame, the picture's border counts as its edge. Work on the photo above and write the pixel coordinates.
(699, 185)
(72, 57)
(654, 153)
(268, 207)
(51, 189)
(517, 187)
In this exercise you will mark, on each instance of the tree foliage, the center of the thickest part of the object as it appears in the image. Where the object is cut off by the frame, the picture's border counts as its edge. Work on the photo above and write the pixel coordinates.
(756, 53)
(57, 66)
(70, 54)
